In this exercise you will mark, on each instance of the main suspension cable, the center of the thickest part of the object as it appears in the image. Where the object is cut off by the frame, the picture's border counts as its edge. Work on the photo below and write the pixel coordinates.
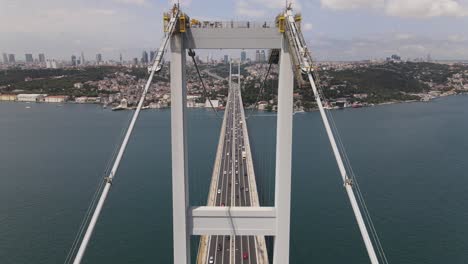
(191, 53)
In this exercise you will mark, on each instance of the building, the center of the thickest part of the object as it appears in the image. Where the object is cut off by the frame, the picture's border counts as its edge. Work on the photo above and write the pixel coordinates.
(73, 60)
(42, 58)
(98, 58)
(82, 58)
(135, 61)
(121, 58)
(152, 55)
(5, 58)
(243, 56)
(78, 85)
(215, 103)
(257, 56)
(31, 97)
(262, 56)
(144, 57)
(29, 58)
(11, 58)
(7, 97)
(56, 99)
(51, 64)
(226, 59)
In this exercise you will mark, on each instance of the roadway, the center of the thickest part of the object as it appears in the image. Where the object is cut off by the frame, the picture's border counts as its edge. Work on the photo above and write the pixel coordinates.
(233, 187)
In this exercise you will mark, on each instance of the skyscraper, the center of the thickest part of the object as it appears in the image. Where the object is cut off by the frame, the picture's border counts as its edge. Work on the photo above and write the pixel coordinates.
(243, 56)
(257, 56)
(98, 58)
(5, 58)
(135, 61)
(73, 60)
(226, 59)
(121, 58)
(262, 56)
(82, 58)
(152, 55)
(144, 57)
(41, 57)
(29, 58)
(11, 58)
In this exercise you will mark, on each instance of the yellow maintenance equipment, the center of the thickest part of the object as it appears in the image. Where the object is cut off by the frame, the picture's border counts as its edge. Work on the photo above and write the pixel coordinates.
(166, 19)
(182, 23)
(281, 23)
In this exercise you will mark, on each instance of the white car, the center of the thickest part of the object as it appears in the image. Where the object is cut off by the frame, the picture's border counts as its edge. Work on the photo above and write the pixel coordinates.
(211, 261)
(219, 191)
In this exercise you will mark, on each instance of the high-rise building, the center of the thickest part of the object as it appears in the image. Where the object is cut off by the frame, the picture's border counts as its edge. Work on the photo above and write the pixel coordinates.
(144, 57)
(11, 58)
(243, 56)
(41, 57)
(226, 59)
(5, 58)
(135, 61)
(82, 58)
(73, 60)
(152, 56)
(257, 56)
(121, 58)
(262, 56)
(29, 58)
(98, 58)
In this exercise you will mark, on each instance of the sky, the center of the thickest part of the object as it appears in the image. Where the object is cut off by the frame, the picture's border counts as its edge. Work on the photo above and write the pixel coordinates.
(335, 29)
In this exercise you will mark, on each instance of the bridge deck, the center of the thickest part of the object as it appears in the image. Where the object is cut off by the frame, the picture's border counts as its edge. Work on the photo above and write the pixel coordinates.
(233, 184)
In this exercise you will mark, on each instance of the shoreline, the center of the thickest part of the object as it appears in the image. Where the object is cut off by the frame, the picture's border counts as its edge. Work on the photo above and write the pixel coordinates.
(295, 112)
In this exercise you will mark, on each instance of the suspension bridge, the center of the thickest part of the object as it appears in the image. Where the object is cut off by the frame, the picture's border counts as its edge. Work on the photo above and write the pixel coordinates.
(233, 225)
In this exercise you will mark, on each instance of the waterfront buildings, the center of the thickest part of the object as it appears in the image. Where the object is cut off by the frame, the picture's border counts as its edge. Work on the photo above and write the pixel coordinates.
(31, 97)
(7, 97)
(56, 99)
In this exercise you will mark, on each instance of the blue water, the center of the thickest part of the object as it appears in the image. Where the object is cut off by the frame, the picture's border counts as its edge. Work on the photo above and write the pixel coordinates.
(410, 159)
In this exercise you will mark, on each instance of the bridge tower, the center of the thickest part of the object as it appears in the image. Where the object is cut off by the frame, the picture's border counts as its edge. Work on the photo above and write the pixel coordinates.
(207, 220)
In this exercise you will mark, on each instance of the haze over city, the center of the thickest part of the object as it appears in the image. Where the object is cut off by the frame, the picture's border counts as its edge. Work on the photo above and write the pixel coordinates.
(335, 29)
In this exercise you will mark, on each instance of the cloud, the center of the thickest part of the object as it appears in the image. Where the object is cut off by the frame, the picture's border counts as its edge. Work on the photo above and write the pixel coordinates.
(351, 4)
(133, 2)
(404, 8)
(307, 27)
(262, 8)
(425, 8)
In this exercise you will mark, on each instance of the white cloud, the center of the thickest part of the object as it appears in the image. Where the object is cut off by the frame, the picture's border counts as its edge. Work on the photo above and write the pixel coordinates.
(262, 8)
(352, 4)
(425, 8)
(133, 2)
(307, 27)
(183, 3)
(404, 8)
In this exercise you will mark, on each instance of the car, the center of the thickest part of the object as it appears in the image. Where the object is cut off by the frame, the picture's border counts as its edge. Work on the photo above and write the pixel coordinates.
(225, 172)
(237, 172)
(211, 261)
(237, 182)
(246, 189)
(219, 247)
(222, 204)
(219, 191)
(245, 255)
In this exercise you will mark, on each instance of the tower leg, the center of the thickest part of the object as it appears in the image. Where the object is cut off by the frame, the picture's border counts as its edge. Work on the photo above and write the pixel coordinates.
(283, 156)
(180, 190)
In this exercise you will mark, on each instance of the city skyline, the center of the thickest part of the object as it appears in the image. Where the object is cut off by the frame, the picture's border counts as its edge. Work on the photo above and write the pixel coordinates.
(335, 29)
